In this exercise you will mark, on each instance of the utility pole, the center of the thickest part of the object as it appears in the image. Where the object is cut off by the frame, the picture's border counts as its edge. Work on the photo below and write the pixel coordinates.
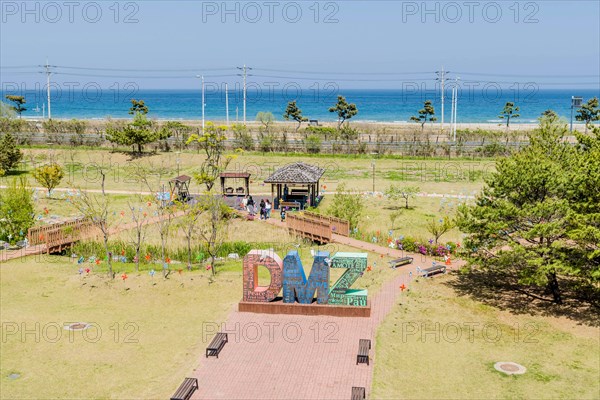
(244, 74)
(48, 73)
(452, 110)
(442, 78)
(203, 102)
(227, 103)
(576, 102)
(455, 106)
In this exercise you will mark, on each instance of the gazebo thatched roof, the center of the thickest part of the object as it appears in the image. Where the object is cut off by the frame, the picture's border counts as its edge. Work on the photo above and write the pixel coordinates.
(296, 173)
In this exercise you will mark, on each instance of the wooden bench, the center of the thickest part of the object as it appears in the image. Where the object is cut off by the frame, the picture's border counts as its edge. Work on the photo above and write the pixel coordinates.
(187, 388)
(215, 347)
(398, 262)
(358, 393)
(290, 204)
(435, 269)
(229, 190)
(363, 351)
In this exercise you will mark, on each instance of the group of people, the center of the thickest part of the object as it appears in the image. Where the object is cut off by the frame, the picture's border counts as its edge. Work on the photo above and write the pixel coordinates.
(264, 207)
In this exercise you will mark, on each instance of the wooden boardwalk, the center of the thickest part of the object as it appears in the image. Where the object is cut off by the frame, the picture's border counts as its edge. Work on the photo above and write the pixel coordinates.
(41, 248)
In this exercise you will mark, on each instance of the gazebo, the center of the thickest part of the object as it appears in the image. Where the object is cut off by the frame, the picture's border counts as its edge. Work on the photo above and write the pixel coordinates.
(296, 183)
(180, 188)
(236, 176)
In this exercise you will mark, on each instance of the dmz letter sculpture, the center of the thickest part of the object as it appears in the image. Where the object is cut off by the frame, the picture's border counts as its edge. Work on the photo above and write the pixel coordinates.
(290, 276)
(270, 260)
(295, 283)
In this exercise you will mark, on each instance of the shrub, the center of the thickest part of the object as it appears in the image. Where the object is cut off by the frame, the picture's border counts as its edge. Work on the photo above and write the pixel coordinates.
(242, 139)
(313, 144)
(49, 176)
(10, 155)
(16, 211)
(326, 131)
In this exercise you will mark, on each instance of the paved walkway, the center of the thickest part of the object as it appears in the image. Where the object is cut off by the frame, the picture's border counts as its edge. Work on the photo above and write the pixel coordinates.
(298, 357)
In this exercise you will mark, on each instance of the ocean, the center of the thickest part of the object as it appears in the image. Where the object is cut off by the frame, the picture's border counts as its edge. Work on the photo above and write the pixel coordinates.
(475, 105)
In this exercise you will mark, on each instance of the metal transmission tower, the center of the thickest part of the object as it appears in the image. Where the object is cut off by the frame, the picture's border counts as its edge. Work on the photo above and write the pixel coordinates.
(442, 79)
(244, 74)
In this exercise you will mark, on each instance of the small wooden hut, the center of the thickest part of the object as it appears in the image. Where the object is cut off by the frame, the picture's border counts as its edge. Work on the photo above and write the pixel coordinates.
(295, 185)
(180, 188)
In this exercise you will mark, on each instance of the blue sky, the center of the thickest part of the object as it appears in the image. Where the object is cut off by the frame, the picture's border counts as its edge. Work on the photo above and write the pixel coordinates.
(357, 44)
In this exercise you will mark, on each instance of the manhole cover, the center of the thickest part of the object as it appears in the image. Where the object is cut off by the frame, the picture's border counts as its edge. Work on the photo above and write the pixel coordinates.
(510, 368)
(14, 376)
(77, 326)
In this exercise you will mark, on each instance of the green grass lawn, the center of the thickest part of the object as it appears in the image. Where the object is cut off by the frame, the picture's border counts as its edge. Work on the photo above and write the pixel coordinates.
(433, 175)
(151, 328)
(561, 357)
(454, 177)
(152, 335)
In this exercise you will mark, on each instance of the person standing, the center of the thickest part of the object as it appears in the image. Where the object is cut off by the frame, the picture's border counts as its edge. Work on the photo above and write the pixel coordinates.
(263, 209)
(282, 214)
(250, 205)
(268, 207)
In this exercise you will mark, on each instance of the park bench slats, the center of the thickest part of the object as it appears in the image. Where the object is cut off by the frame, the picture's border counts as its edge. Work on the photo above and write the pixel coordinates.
(398, 262)
(290, 204)
(436, 269)
(216, 345)
(358, 393)
(363, 351)
(187, 388)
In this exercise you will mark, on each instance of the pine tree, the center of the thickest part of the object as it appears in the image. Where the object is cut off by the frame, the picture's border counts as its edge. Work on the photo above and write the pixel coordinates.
(294, 113)
(426, 114)
(509, 111)
(536, 225)
(10, 155)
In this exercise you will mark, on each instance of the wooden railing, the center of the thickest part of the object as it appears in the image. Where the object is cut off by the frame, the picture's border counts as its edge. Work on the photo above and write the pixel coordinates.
(61, 235)
(338, 225)
(309, 228)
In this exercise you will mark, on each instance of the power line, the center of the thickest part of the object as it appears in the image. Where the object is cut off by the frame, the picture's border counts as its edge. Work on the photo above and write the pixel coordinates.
(342, 73)
(145, 69)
